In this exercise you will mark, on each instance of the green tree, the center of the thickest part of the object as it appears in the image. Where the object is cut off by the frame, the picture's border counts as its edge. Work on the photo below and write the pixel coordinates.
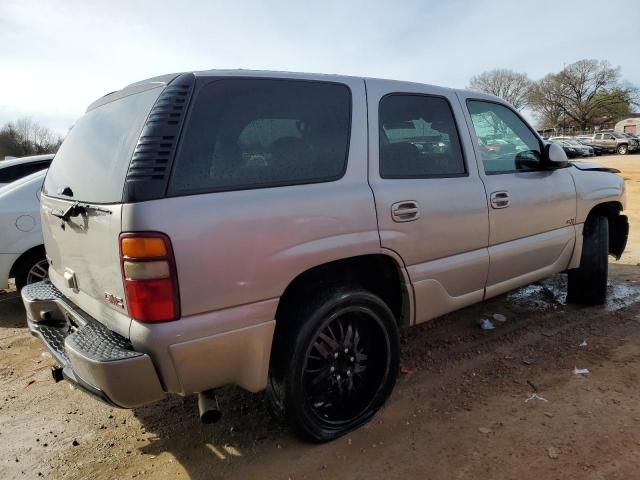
(580, 94)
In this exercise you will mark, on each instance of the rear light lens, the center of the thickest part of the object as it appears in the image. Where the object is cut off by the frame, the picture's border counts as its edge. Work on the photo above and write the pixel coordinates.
(146, 270)
(149, 274)
(143, 247)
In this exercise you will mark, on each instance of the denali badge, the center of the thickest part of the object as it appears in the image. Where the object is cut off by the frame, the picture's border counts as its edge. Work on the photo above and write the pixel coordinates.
(113, 300)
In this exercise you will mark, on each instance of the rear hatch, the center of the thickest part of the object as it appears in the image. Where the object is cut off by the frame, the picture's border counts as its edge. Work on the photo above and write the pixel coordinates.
(88, 176)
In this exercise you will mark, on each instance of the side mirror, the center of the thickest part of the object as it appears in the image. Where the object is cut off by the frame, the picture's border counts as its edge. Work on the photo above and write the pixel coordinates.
(554, 156)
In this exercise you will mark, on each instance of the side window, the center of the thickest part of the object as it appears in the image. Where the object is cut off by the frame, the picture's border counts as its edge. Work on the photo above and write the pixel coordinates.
(34, 167)
(609, 137)
(256, 133)
(257, 139)
(507, 144)
(9, 174)
(418, 138)
(599, 136)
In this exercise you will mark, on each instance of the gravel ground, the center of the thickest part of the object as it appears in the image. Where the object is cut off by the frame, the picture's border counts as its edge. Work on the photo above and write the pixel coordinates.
(464, 408)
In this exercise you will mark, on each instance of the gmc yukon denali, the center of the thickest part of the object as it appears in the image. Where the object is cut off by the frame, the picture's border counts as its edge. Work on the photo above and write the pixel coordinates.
(276, 230)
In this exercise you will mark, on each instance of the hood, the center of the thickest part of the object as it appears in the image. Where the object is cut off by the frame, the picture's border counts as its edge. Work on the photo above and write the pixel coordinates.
(592, 166)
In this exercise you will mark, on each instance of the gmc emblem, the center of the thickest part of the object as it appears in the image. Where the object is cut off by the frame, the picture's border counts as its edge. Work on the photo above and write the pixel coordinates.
(113, 300)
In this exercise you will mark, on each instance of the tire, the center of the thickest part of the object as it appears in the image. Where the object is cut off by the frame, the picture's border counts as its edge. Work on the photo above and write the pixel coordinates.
(337, 364)
(587, 284)
(622, 149)
(31, 268)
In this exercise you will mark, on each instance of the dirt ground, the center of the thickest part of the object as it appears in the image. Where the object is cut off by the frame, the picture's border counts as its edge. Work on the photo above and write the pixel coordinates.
(470, 404)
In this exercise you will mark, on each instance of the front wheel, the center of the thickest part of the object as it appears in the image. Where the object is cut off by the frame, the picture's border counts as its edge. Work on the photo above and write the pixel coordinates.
(623, 150)
(588, 283)
(339, 364)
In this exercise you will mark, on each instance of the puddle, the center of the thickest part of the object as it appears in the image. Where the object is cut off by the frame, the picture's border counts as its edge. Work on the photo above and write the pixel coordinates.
(621, 294)
(550, 294)
(547, 294)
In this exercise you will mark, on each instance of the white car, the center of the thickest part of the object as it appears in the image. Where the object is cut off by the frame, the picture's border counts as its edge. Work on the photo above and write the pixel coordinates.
(22, 254)
(15, 168)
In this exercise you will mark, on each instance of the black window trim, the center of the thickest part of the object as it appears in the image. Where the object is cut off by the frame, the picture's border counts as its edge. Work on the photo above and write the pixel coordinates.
(205, 82)
(535, 134)
(455, 124)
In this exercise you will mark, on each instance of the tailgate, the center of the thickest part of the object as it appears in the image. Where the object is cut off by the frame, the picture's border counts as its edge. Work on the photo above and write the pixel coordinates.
(84, 259)
(89, 172)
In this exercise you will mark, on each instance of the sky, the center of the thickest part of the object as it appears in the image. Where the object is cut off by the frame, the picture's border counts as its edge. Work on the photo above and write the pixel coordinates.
(56, 57)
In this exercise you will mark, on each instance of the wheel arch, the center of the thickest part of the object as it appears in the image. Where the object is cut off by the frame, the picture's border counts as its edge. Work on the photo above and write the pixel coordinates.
(381, 273)
(20, 259)
(618, 225)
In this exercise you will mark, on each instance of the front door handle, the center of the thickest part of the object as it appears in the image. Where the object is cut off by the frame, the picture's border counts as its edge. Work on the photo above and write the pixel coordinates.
(500, 199)
(405, 211)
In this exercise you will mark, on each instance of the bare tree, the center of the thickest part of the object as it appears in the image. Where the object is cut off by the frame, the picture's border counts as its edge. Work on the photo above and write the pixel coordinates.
(25, 137)
(542, 100)
(581, 93)
(506, 84)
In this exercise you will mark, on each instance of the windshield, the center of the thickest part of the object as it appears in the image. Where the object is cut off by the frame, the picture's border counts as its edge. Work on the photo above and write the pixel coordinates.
(92, 162)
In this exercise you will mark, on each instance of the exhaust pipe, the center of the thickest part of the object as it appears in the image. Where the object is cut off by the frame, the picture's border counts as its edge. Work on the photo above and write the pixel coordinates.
(208, 407)
(56, 373)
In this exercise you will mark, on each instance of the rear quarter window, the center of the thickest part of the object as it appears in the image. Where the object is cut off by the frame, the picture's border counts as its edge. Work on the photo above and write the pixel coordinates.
(258, 133)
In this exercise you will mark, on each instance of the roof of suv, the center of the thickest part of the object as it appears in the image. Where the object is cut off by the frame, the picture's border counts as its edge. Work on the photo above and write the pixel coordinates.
(166, 79)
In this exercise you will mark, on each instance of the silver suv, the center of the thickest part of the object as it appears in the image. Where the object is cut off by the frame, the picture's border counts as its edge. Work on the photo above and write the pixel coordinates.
(275, 231)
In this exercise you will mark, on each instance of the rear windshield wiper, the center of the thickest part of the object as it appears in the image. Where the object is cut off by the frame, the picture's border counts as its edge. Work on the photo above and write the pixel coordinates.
(73, 211)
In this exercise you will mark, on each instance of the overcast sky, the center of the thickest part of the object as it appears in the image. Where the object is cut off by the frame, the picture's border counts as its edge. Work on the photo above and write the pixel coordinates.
(56, 57)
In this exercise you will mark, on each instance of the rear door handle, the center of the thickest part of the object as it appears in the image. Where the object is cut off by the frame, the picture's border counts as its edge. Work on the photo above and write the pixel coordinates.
(500, 199)
(405, 211)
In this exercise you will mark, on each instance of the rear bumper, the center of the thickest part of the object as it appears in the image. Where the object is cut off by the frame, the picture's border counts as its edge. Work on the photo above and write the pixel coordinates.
(191, 355)
(94, 358)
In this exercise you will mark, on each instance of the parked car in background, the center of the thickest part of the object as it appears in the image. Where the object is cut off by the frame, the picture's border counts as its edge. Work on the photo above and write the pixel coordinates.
(22, 254)
(615, 142)
(16, 168)
(635, 138)
(570, 151)
(597, 149)
(573, 145)
(294, 231)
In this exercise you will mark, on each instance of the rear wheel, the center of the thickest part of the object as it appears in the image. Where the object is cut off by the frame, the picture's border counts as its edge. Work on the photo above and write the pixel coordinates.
(622, 150)
(588, 283)
(337, 366)
(31, 268)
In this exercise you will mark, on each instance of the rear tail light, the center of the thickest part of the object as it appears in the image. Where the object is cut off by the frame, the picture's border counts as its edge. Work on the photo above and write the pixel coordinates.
(149, 274)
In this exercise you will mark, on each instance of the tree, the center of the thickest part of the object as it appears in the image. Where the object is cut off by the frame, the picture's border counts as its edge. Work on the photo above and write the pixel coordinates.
(542, 101)
(25, 137)
(580, 94)
(506, 84)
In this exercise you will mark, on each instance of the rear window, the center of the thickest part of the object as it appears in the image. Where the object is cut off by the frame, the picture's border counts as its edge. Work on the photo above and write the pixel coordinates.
(94, 157)
(256, 133)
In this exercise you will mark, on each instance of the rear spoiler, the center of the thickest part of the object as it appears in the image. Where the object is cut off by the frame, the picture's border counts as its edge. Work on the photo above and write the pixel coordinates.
(132, 89)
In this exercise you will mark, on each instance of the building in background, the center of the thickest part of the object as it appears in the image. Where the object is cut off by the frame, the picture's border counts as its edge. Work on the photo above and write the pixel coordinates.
(629, 125)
